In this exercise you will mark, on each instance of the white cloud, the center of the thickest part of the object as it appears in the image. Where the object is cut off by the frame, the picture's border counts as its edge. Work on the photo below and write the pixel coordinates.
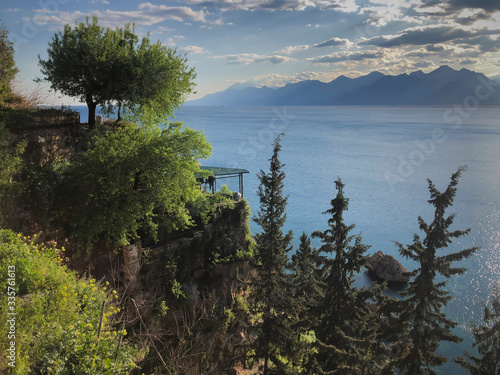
(99, 1)
(146, 15)
(292, 49)
(279, 80)
(334, 42)
(380, 13)
(13, 10)
(248, 58)
(347, 56)
(277, 5)
(193, 50)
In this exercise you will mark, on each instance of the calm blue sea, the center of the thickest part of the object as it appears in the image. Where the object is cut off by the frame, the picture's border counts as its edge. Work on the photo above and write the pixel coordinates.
(384, 155)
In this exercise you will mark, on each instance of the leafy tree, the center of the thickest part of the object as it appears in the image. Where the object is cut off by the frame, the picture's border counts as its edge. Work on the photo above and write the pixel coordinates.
(347, 331)
(107, 67)
(425, 296)
(7, 65)
(274, 329)
(487, 341)
(130, 181)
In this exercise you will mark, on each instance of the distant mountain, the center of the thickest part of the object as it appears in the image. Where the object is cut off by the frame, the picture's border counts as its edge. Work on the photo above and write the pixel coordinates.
(443, 86)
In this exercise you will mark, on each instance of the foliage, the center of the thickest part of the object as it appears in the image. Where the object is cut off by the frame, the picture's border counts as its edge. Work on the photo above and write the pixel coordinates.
(347, 328)
(58, 315)
(131, 180)
(487, 342)
(425, 325)
(10, 165)
(209, 204)
(276, 339)
(308, 284)
(8, 68)
(103, 67)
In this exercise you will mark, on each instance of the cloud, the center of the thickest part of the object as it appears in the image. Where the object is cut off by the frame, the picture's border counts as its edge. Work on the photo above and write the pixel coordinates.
(292, 49)
(483, 42)
(280, 80)
(276, 5)
(346, 56)
(99, 1)
(333, 42)
(425, 35)
(380, 13)
(467, 61)
(423, 64)
(464, 12)
(249, 58)
(193, 50)
(13, 10)
(454, 6)
(146, 15)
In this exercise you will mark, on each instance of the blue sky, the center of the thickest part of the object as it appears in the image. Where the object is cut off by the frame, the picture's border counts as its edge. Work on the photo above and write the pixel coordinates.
(274, 42)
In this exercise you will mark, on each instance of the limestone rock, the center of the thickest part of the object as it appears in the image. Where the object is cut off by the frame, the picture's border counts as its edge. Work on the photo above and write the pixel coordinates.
(386, 267)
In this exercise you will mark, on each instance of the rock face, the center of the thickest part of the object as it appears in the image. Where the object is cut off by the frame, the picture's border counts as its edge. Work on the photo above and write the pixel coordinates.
(386, 267)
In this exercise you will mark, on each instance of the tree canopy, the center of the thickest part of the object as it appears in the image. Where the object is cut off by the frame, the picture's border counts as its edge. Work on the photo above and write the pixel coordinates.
(7, 65)
(131, 180)
(116, 69)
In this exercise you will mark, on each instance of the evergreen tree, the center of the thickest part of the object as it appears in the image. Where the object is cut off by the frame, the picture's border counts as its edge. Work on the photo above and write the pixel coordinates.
(308, 283)
(275, 336)
(346, 336)
(8, 68)
(487, 341)
(307, 289)
(426, 325)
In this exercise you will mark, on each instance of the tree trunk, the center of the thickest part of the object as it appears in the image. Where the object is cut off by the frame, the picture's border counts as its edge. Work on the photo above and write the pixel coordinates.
(91, 106)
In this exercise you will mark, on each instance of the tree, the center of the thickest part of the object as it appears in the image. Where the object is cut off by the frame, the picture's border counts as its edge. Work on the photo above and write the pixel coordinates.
(274, 331)
(308, 284)
(487, 342)
(426, 325)
(8, 68)
(129, 182)
(111, 67)
(347, 331)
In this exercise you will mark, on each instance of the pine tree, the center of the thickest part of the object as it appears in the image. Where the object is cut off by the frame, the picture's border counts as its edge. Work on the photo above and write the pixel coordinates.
(487, 342)
(346, 336)
(275, 336)
(307, 288)
(426, 325)
(308, 284)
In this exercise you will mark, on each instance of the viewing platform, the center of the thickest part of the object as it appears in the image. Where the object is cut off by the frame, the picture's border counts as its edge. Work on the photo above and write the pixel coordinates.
(219, 173)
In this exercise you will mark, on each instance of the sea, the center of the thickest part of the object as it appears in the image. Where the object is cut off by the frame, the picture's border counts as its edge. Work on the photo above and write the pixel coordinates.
(385, 156)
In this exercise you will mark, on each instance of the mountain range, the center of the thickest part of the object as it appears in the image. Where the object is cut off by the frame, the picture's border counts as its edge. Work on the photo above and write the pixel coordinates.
(443, 86)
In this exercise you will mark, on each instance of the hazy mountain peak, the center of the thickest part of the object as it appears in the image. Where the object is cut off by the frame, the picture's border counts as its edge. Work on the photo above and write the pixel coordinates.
(443, 86)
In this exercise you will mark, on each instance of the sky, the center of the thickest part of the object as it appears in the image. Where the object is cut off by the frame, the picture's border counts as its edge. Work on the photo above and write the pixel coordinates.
(275, 42)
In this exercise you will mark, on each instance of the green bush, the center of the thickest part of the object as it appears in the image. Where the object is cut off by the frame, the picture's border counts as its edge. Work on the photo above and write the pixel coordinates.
(57, 315)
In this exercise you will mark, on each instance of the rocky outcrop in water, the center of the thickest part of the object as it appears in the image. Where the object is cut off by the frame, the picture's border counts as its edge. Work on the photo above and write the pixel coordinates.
(387, 268)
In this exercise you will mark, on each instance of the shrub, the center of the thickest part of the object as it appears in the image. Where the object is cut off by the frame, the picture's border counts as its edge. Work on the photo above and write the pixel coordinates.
(58, 315)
